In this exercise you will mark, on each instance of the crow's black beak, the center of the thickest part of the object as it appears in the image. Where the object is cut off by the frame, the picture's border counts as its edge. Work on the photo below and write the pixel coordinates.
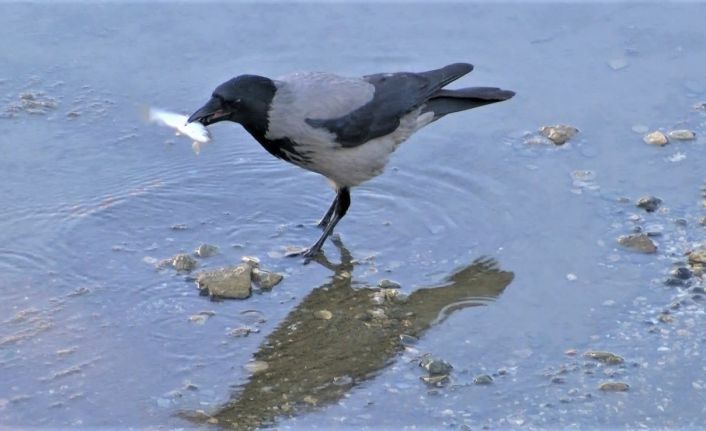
(211, 112)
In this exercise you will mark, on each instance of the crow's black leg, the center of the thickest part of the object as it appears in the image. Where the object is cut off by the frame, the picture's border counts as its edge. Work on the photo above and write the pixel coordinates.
(327, 217)
(343, 201)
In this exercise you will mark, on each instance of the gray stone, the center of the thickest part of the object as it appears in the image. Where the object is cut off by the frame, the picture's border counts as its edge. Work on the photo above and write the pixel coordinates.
(388, 284)
(559, 133)
(639, 242)
(437, 380)
(605, 357)
(184, 262)
(682, 135)
(206, 250)
(656, 138)
(483, 379)
(231, 282)
(265, 279)
(614, 387)
(649, 203)
(682, 273)
(435, 366)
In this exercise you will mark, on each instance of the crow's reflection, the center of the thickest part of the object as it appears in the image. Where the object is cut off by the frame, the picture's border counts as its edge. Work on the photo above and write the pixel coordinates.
(313, 358)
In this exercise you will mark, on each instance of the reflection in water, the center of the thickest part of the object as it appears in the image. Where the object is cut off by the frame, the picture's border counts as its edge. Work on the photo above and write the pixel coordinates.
(313, 358)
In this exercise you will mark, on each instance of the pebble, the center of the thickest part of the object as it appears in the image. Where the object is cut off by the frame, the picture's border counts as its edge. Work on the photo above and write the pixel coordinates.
(206, 250)
(243, 331)
(201, 317)
(649, 203)
(639, 242)
(682, 135)
(323, 314)
(682, 273)
(614, 387)
(656, 138)
(344, 380)
(388, 284)
(184, 262)
(265, 279)
(231, 282)
(408, 340)
(559, 133)
(439, 380)
(256, 366)
(482, 379)
(435, 366)
(605, 357)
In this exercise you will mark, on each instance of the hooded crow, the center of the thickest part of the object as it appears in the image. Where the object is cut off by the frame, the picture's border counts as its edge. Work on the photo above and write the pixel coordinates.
(342, 128)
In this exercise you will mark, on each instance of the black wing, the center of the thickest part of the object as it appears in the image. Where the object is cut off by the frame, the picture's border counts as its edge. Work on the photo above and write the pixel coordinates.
(396, 94)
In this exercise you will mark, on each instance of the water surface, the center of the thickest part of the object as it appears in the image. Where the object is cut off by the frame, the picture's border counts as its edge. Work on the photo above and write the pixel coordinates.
(92, 335)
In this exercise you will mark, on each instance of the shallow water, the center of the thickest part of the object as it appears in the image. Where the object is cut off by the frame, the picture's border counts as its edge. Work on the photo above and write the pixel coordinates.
(91, 334)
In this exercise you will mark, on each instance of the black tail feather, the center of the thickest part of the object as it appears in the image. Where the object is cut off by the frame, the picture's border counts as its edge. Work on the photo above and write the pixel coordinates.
(445, 102)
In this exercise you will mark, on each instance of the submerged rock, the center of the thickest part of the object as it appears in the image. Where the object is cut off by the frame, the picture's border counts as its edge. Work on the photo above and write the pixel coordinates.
(437, 380)
(408, 340)
(656, 138)
(435, 366)
(388, 284)
(201, 317)
(184, 262)
(206, 250)
(605, 357)
(639, 242)
(483, 379)
(681, 273)
(31, 103)
(243, 331)
(682, 135)
(226, 282)
(649, 203)
(614, 387)
(265, 279)
(559, 134)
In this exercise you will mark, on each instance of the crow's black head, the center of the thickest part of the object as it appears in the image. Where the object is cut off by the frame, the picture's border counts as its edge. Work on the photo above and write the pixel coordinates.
(245, 99)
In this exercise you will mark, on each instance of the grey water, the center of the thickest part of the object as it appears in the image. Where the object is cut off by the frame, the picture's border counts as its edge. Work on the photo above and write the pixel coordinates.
(93, 335)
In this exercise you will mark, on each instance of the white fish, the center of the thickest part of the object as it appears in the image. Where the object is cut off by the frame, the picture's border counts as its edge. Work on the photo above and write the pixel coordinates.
(196, 131)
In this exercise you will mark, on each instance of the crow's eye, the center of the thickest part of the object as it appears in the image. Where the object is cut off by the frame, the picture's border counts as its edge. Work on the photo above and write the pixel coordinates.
(220, 98)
